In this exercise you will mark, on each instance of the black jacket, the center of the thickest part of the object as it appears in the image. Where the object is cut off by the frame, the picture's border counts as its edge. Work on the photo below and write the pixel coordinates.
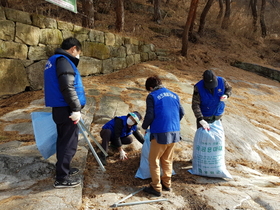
(118, 130)
(66, 77)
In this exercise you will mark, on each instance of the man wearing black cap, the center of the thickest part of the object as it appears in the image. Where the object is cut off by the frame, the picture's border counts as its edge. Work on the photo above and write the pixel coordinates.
(208, 99)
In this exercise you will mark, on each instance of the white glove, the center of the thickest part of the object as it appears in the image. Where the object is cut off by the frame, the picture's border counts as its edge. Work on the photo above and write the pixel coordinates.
(75, 116)
(123, 155)
(223, 98)
(204, 124)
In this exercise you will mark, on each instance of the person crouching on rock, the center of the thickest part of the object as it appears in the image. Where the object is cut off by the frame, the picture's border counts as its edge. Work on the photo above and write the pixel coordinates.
(118, 132)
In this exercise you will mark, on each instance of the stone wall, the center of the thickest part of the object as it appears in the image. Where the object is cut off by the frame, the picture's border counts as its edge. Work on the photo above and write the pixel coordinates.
(28, 40)
(261, 70)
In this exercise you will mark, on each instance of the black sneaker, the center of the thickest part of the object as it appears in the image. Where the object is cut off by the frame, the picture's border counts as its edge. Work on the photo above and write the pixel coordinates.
(73, 171)
(102, 158)
(151, 190)
(113, 146)
(165, 188)
(66, 183)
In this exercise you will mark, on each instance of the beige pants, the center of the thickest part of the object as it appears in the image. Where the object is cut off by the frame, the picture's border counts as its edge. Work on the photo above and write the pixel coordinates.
(161, 156)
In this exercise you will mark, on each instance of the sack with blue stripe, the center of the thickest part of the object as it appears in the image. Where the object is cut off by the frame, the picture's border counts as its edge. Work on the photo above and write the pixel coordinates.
(209, 152)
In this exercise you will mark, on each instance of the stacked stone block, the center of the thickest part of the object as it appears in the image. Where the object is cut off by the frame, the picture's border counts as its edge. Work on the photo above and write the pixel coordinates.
(28, 40)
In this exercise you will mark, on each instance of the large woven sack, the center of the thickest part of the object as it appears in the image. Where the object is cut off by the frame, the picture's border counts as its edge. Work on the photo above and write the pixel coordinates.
(209, 152)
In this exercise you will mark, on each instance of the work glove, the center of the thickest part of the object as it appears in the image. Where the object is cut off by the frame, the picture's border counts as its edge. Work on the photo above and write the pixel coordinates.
(123, 155)
(223, 98)
(204, 124)
(75, 116)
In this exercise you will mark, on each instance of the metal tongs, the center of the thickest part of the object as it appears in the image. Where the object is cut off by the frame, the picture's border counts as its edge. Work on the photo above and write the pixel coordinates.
(83, 128)
(117, 204)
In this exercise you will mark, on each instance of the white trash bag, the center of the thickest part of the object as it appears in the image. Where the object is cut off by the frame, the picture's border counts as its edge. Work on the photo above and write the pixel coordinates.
(45, 133)
(209, 152)
(143, 171)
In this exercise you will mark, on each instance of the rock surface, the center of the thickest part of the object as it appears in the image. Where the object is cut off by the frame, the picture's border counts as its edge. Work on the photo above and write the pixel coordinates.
(251, 124)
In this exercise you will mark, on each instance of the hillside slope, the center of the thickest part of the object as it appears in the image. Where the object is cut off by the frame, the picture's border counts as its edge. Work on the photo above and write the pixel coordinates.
(238, 42)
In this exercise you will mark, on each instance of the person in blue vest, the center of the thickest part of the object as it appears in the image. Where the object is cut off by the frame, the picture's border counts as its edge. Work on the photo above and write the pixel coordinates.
(209, 96)
(163, 115)
(118, 132)
(64, 92)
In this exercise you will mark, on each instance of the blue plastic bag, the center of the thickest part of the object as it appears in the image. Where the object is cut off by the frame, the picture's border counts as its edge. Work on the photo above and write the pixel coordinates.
(45, 133)
(209, 152)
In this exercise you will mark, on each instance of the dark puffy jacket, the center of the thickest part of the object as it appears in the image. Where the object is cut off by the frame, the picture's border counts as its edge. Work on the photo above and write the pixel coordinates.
(67, 82)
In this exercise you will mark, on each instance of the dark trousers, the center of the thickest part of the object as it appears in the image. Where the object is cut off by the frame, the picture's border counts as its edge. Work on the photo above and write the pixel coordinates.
(67, 141)
(107, 137)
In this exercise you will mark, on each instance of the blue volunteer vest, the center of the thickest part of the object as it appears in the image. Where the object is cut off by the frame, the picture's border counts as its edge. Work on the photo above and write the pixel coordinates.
(210, 104)
(110, 125)
(53, 96)
(166, 111)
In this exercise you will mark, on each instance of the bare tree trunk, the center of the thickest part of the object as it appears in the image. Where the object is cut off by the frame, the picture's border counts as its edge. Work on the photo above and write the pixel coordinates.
(262, 21)
(192, 38)
(88, 19)
(119, 15)
(203, 16)
(190, 19)
(225, 22)
(221, 11)
(4, 3)
(157, 14)
(253, 5)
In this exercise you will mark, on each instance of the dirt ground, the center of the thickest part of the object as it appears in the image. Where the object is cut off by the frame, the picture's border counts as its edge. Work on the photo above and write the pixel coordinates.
(216, 49)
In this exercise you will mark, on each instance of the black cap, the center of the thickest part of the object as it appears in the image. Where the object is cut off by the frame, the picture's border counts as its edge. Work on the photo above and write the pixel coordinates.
(210, 79)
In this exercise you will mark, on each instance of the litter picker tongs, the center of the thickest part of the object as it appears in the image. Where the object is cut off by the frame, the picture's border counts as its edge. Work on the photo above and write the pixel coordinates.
(83, 128)
(117, 204)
